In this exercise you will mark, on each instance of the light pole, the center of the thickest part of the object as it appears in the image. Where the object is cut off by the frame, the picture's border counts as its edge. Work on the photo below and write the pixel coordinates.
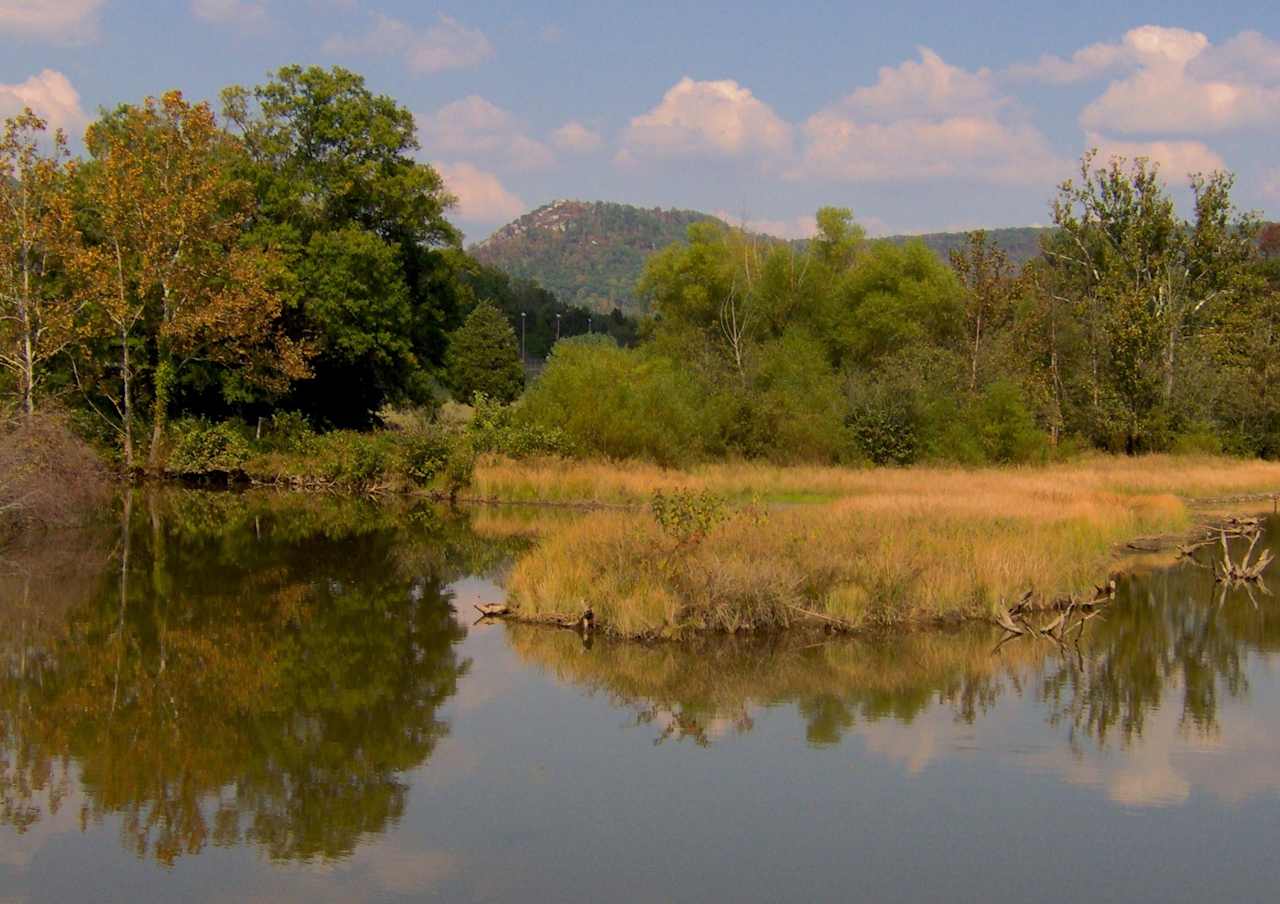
(588, 325)
(557, 327)
(522, 360)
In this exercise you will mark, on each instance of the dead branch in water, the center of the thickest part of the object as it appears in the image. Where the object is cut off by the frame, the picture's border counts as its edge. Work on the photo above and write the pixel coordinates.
(1230, 572)
(1071, 613)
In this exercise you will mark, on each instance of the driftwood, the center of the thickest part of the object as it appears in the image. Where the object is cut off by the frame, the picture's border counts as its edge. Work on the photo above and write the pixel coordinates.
(1071, 613)
(1244, 571)
(493, 610)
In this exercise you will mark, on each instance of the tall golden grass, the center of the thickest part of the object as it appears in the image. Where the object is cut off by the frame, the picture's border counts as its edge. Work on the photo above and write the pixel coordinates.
(560, 480)
(893, 546)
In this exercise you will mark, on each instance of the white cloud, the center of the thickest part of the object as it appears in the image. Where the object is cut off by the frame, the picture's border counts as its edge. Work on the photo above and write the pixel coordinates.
(482, 198)
(801, 227)
(51, 95)
(719, 119)
(446, 45)
(1175, 81)
(474, 126)
(1149, 45)
(60, 21)
(576, 137)
(926, 120)
(245, 14)
(929, 87)
(1176, 158)
(1088, 62)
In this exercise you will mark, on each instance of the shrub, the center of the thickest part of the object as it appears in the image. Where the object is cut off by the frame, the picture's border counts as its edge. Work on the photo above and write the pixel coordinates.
(493, 428)
(1197, 441)
(687, 516)
(618, 403)
(200, 448)
(48, 475)
(350, 458)
(290, 431)
(1005, 426)
(423, 455)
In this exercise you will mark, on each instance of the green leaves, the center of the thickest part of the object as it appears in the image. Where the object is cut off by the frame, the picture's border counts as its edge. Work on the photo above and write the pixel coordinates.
(484, 357)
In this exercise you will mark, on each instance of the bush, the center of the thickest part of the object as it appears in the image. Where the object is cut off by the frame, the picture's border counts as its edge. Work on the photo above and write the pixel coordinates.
(49, 476)
(289, 431)
(1004, 425)
(687, 516)
(353, 459)
(1197, 441)
(493, 428)
(423, 455)
(618, 403)
(200, 448)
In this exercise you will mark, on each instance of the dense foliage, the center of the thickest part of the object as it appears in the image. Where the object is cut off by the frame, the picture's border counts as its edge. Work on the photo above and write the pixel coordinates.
(593, 253)
(289, 265)
(484, 356)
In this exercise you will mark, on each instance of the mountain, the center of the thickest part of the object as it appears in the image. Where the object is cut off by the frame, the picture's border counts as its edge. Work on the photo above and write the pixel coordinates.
(590, 253)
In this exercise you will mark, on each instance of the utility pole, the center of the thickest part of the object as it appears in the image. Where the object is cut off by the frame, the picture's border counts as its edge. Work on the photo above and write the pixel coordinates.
(522, 359)
(557, 327)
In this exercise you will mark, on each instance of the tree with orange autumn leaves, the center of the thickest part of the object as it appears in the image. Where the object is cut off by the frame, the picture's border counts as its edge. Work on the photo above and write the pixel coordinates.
(167, 215)
(40, 315)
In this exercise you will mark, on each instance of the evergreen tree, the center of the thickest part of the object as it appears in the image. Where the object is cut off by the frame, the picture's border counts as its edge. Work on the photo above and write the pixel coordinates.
(483, 357)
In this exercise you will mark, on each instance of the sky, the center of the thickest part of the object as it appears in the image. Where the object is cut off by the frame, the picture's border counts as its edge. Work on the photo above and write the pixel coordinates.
(917, 116)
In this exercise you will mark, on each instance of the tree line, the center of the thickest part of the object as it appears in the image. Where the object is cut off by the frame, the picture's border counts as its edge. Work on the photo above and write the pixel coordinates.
(1135, 330)
(290, 254)
(287, 252)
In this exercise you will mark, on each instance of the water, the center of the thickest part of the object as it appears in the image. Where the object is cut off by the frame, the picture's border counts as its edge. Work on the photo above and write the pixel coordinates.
(285, 699)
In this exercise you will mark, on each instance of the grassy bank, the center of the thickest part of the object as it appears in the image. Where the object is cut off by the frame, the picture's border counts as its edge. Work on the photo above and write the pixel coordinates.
(891, 547)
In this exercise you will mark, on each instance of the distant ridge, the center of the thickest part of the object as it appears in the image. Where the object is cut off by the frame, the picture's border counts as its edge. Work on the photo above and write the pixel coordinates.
(591, 253)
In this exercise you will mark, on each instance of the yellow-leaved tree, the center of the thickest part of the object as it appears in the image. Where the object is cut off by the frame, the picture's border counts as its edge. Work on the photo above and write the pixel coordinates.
(39, 314)
(170, 275)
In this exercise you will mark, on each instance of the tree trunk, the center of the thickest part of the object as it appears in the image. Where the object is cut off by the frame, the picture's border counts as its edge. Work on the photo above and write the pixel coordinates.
(126, 379)
(160, 409)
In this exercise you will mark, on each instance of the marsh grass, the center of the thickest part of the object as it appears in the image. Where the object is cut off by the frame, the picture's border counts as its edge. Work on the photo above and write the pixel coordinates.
(896, 546)
(629, 482)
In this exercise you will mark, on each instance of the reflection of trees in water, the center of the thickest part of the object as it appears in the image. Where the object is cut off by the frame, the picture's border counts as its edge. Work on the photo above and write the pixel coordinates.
(250, 669)
(1171, 632)
(1167, 634)
(697, 689)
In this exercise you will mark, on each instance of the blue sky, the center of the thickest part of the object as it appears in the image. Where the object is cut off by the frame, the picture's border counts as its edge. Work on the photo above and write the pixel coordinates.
(918, 116)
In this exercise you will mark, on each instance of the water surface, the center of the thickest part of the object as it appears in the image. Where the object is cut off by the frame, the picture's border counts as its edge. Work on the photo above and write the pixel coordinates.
(284, 698)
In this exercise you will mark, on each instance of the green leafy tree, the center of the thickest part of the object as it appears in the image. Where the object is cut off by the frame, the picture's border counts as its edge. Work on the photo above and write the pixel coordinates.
(340, 188)
(483, 357)
(1150, 288)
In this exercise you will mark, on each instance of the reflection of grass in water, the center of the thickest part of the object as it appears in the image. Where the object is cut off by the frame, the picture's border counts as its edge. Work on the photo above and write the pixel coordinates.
(904, 553)
(713, 684)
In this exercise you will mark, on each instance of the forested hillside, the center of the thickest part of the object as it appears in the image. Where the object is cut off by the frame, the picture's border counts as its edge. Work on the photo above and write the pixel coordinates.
(591, 253)
(587, 253)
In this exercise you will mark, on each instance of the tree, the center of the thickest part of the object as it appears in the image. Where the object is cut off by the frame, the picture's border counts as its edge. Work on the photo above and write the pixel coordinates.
(339, 189)
(170, 217)
(39, 315)
(1149, 285)
(483, 357)
(990, 286)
